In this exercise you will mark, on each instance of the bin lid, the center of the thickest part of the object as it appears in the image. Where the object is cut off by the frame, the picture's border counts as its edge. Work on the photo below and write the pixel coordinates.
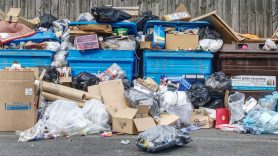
(131, 26)
(176, 24)
(38, 37)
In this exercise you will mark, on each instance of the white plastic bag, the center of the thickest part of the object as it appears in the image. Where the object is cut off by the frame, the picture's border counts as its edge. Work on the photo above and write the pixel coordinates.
(98, 116)
(65, 118)
(60, 59)
(269, 45)
(53, 46)
(177, 103)
(210, 44)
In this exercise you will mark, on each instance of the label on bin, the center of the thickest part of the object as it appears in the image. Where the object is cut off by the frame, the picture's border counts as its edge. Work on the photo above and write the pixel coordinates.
(260, 83)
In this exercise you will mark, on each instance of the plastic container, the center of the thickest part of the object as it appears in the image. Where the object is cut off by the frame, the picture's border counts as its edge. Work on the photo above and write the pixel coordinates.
(96, 61)
(176, 63)
(235, 60)
(27, 58)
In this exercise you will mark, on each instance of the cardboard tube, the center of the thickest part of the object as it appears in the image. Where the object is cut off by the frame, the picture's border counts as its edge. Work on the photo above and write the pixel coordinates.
(52, 97)
(64, 91)
(89, 97)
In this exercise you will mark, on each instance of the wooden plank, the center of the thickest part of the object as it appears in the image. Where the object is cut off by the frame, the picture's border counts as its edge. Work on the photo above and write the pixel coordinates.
(24, 8)
(162, 8)
(62, 9)
(31, 8)
(274, 15)
(187, 4)
(45, 6)
(259, 18)
(202, 7)
(54, 8)
(8, 5)
(243, 17)
(251, 13)
(227, 12)
(194, 8)
(38, 7)
(211, 5)
(16, 3)
(267, 12)
(155, 8)
(235, 15)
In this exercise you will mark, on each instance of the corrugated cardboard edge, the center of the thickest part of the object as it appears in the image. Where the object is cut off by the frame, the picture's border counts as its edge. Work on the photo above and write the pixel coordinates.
(275, 35)
(217, 22)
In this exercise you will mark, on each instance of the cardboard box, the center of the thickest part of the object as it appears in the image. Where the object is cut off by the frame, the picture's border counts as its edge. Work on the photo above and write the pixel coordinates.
(86, 42)
(143, 124)
(181, 41)
(181, 14)
(143, 111)
(112, 93)
(200, 118)
(94, 90)
(168, 119)
(17, 107)
(145, 45)
(122, 121)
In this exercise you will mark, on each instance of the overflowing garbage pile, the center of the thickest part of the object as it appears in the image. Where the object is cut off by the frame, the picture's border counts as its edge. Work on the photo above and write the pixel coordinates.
(96, 91)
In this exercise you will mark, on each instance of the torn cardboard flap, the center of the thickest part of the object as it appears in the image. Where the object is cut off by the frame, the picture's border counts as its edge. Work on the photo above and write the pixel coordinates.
(168, 119)
(143, 124)
(227, 33)
(112, 93)
(200, 118)
(127, 113)
(143, 111)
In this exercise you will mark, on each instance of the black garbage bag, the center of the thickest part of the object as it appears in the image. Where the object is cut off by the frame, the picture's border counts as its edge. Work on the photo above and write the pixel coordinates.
(161, 138)
(83, 80)
(143, 19)
(218, 83)
(51, 74)
(208, 33)
(214, 104)
(46, 20)
(136, 98)
(127, 83)
(198, 94)
(104, 14)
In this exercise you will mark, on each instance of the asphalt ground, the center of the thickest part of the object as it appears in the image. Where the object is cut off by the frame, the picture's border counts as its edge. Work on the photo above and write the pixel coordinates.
(209, 142)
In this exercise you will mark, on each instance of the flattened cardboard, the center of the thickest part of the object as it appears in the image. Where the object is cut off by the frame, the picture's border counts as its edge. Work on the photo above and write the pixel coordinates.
(113, 93)
(275, 35)
(17, 106)
(181, 41)
(122, 121)
(227, 33)
(168, 119)
(200, 118)
(143, 124)
(97, 28)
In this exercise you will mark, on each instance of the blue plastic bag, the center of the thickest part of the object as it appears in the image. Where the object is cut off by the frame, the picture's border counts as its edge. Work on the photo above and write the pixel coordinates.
(261, 121)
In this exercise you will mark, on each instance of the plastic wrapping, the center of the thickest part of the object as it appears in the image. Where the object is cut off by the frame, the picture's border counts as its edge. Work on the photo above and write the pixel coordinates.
(207, 33)
(60, 59)
(85, 17)
(161, 138)
(127, 83)
(269, 101)
(269, 45)
(217, 83)
(104, 14)
(136, 97)
(261, 121)
(83, 80)
(53, 46)
(112, 73)
(98, 116)
(158, 37)
(178, 104)
(210, 45)
(60, 27)
(125, 43)
(198, 95)
(235, 103)
(65, 118)
(215, 103)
